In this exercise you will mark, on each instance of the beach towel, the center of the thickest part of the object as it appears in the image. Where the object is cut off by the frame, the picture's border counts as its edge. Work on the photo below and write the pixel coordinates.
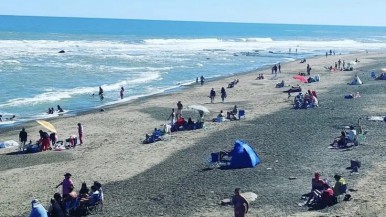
(9, 144)
(376, 118)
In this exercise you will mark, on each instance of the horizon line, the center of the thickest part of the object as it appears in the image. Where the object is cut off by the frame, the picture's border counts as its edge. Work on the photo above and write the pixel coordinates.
(197, 21)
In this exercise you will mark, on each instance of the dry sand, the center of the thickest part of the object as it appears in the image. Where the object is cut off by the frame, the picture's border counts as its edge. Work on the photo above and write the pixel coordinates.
(113, 153)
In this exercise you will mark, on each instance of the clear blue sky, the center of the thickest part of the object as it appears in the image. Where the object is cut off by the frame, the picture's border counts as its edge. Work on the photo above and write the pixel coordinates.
(334, 12)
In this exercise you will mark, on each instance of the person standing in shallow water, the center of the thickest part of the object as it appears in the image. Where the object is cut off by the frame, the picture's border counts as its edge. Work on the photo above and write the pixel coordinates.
(240, 204)
(101, 93)
(121, 92)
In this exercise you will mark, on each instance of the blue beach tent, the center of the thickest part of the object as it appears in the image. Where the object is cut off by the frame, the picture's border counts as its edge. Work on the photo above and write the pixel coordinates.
(243, 156)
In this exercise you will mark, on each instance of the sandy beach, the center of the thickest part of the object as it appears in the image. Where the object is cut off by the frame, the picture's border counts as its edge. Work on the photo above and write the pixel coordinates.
(168, 178)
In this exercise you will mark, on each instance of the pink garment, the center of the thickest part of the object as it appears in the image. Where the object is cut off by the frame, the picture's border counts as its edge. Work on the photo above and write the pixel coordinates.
(66, 184)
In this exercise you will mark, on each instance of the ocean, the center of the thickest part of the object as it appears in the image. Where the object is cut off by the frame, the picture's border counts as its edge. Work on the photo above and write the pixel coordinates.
(144, 57)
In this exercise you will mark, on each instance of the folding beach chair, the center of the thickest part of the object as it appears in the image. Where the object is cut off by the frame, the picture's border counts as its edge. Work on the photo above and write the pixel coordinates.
(241, 113)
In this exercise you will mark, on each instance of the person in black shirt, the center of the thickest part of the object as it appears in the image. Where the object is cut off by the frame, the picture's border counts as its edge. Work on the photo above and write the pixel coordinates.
(22, 138)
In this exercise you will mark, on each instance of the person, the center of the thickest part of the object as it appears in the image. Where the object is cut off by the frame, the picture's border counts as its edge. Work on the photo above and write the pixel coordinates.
(308, 69)
(339, 62)
(53, 139)
(57, 206)
(351, 134)
(179, 109)
(49, 110)
(240, 204)
(52, 110)
(172, 117)
(340, 186)
(80, 132)
(201, 116)
(101, 93)
(121, 92)
(316, 184)
(84, 190)
(234, 110)
(44, 140)
(196, 80)
(38, 209)
(66, 184)
(326, 196)
(23, 135)
(341, 141)
(1, 118)
(279, 67)
(190, 124)
(280, 85)
(212, 95)
(70, 200)
(202, 79)
(223, 94)
(59, 109)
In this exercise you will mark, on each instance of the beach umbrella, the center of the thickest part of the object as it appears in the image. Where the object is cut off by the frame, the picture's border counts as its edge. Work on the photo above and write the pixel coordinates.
(199, 108)
(47, 125)
(301, 78)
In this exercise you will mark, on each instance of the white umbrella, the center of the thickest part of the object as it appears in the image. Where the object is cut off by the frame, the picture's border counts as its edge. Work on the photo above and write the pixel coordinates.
(199, 108)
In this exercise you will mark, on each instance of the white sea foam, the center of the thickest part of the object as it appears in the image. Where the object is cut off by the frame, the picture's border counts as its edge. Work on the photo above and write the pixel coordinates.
(60, 94)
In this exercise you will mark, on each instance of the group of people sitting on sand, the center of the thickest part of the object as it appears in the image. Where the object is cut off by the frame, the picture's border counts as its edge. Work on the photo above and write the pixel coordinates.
(71, 203)
(345, 138)
(233, 83)
(308, 100)
(316, 78)
(177, 123)
(323, 195)
(49, 142)
(231, 115)
(382, 76)
(260, 77)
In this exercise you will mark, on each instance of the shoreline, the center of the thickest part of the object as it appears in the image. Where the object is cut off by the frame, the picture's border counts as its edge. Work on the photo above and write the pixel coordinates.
(113, 139)
(181, 88)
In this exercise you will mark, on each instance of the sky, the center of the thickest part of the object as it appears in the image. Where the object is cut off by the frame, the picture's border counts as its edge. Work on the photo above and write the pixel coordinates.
(323, 12)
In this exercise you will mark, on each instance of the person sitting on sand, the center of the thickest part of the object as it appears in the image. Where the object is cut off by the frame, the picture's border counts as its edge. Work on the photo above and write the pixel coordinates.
(57, 207)
(235, 110)
(231, 116)
(316, 184)
(190, 125)
(340, 141)
(280, 85)
(220, 117)
(351, 135)
(340, 186)
(303, 60)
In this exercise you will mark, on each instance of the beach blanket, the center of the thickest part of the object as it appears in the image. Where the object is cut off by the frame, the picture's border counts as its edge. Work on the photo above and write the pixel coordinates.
(376, 118)
(9, 144)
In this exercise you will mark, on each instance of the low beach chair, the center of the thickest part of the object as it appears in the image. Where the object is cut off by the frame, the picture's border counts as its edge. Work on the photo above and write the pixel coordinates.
(241, 113)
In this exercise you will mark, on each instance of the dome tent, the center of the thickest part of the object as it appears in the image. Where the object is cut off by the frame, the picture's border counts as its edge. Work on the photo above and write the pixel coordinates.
(243, 156)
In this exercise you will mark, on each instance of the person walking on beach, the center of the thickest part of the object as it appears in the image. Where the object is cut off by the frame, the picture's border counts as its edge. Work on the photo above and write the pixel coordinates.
(339, 62)
(223, 94)
(101, 93)
(308, 69)
(80, 132)
(196, 80)
(23, 139)
(279, 67)
(240, 204)
(121, 92)
(172, 117)
(202, 79)
(212, 95)
(179, 109)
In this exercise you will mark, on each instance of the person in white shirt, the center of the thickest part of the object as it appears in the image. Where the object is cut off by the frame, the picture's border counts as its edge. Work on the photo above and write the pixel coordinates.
(351, 134)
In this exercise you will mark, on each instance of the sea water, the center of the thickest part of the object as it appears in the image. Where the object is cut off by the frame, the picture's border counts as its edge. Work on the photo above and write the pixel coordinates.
(144, 57)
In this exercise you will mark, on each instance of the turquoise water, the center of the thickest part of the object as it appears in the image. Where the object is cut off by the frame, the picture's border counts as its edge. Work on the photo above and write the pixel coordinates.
(145, 57)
